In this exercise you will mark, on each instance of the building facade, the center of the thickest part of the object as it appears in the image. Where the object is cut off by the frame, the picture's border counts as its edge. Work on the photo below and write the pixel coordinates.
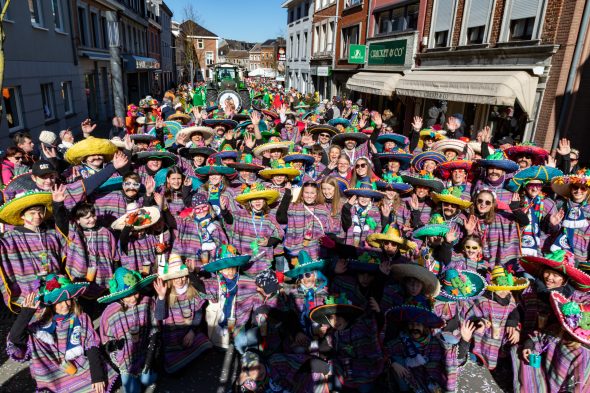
(255, 57)
(324, 25)
(46, 94)
(299, 32)
(166, 50)
(205, 45)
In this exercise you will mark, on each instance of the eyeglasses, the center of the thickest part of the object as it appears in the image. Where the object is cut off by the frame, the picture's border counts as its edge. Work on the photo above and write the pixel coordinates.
(131, 184)
(577, 187)
(474, 248)
(325, 135)
(19, 158)
(362, 165)
(486, 202)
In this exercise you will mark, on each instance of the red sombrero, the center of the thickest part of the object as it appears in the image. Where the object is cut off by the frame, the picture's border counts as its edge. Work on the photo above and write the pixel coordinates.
(270, 113)
(569, 314)
(539, 155)
(444, 169)
(561, 261)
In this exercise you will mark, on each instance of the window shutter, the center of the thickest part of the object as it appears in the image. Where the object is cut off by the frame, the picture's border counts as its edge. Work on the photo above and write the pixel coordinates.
(479, 11)
(444, 14)
(524, 9)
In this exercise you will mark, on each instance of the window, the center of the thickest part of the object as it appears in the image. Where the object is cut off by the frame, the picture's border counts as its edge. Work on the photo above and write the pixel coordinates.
(443, 22)
(66, 96)
(397, 19)
(105, 36)
(297, 44)
(316, 39)
(36, 12)
(48, 101)
(352, 3)
(524, 17)
(12, 107)
(477, 18)
(200, 43)
(350, 35)
(209, 58)
(298, 12)
(304, 51)
(306, 9)
(475, 35)
(522, 29)
(330, 37)
(291, 17)
(94, 30)
(57, 15)
(82, 26)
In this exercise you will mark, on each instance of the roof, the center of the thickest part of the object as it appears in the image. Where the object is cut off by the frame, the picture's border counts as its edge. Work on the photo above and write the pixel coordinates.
(269, 42)
(237, 54)
(256, 48)
(192, 28)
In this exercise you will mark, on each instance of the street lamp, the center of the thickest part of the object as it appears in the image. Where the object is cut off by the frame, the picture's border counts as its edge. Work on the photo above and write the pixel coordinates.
(116, 69)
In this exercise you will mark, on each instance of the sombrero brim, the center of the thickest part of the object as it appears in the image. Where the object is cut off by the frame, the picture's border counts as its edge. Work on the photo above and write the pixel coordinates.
(539, 154)
(403, 158)
(541, 173)
(207, 132)
(340, 120)
(479, 286)
(88, 147)
(129, 291)
(225, 263)
(401, 188)
(319, 314)
(410, 313)
(308, 267)
(434, 184)
(359, 137)
(285, 146)
(182, 117)
(375, 240)
(419, 159)
(11, 211)
(456, 145)
(562, 184)
(431, 230)
(64, 293)
(398, 139)
(193, 151)
(444, 169)
(168, 159)
(429, 279)
(215, 170)
(306, 158)
(463, 204)
(242, 166)
(153, 211)
(291, 173)
(315, 130)
(507, 165)
(520, 283)
(229, 124)
(143, 137)
(364, 192)
(557, 299)
(270, 196)
(534, 266)
(269, 113)
(176, 274)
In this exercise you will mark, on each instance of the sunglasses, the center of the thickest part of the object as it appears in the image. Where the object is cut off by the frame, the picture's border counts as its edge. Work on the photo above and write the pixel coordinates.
(19, 158)
(360, 166)
(486, 202)
(325, 135)
(131, 184)
(474, 248)
(576, 187)
(308, 274)
(200, 208)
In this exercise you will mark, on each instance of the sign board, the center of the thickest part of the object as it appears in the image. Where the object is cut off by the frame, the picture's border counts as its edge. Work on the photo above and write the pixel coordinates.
(388, 52)
(323, 71)
(282, 54)
(146, 64)
(357, 54)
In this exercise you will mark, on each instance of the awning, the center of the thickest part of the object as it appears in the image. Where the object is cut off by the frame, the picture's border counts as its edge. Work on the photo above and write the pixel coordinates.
(379, 83)
(96, 55)
(135, 63)
(478, 87)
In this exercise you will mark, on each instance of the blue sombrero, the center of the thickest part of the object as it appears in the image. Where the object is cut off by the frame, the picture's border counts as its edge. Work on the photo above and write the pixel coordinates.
(226, 123)
(401, 141)
(339, 120)
(540, 173)
(307, 159)
(398, 155)
(419, 159)
(305, 264)
(395, 183)
(226, 152)
(414, 313)
(364, 189)
(208, 170)
(498, 160)
(461, 285)
(226, 256)
(343, 184)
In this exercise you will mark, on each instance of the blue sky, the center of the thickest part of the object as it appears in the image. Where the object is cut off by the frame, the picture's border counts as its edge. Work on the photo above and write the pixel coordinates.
(246, 20)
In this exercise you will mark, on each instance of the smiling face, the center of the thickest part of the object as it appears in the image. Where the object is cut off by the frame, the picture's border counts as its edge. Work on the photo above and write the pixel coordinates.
(278, 180)
(552, 279)
(343, 165)
(449, 210)
(154, 165)
(333, 154)
(174, 181)
(363, 201)
(361, 168)
(579, 193)
(215, 179)
(459, 176)
(88, 221)
(533, 189)
(199, 160)
(94, 161)
(495, 174)
(484, 202)
(524, 160)
(421, 192)
(350, 144)
(472, 250)
(180, 282)
(131, 188)
(393, 166)
(257, 204)
(310, 194)
(450, 155)
(63, 308)
(328, 191)
(276, 154)
(429, 166)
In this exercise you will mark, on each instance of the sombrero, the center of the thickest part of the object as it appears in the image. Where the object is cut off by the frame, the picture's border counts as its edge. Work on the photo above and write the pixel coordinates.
(339, 120)
(335, 305)
(89, 147)
(391, 234)
(498, 160)
(261, 126)
(350, 133)
(279, 167)
(226, 256)
(393, 183)
(207, 132)
(258, 191)
(413, 313)
(419, 159)
(168, 159)
(365, 261)
(461, 285)
(171, 129)
(284, 146)
(214, 167)
(451, 195)
(240, 117)
(574, 317)
(245, 164)
(301, 105)
(461, 148)
(435, 227)
(403, 270)
(11, 211)
(316, 130)
(435, 134)
(305, 264)
(363, 189)
(226, 123)
(445, 169)
(146, 217)
(562, 184)
(561, 261)
(536, 173)
(401, 141)
(269, 113)
(173, 268)
(125, 283)
(307, 159)
(147, 138)
(538, 154)
(424, 179)
(56, 288)
(189, 152)
(226, 151)
(120, 143)
(180, 117)
(399, 155)
(501, 280)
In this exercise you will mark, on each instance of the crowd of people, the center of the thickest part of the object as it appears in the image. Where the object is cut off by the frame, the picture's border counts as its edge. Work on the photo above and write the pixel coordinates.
(334, 253)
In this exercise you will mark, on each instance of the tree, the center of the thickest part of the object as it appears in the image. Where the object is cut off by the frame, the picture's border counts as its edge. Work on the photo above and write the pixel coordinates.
(2, 37)
(191, 58)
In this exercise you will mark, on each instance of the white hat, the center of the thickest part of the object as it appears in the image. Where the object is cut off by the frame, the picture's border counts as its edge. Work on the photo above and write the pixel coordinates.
(48, 137)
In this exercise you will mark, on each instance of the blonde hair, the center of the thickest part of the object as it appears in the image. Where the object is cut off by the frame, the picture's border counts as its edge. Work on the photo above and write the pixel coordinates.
(191, 292)
(490, 216)
(313, 185)
(336, 205)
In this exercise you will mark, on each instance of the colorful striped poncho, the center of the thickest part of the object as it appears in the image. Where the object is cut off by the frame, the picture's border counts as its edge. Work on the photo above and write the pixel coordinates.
(245, 231)
(111, 206)
(363, 225)
(75, 193)
(46, 352)
(501, 243)
(178, 319)
(285, 369)
(461, 262)
(141, 253)
(502, 194)
(336, 219)
(193, 238)
(301, 304)
(306, 225)
(131, 328)
(24, 255)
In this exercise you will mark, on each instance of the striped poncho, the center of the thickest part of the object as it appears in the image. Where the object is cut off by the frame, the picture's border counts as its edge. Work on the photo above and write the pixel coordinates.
(111, 206)
(501, 243)
(194, 237)
(306, 225)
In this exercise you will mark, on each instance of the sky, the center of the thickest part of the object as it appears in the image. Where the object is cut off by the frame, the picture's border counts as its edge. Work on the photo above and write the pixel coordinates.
(245, 20)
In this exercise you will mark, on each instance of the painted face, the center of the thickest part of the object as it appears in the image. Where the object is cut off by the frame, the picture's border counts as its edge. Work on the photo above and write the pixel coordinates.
(553, 279)
(154, 165)
(94, 161)
(63, 308)
(328, 191)
(175, 181)
(449, 210)
(34, 216)
(309, 195)
(45, 182)
(308, 280)
(495, 174)
(472, 250)
(88, 221)
(459, 176)
(484, 202)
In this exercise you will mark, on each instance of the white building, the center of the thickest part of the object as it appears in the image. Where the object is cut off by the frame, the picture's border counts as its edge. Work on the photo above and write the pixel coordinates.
(299, 25)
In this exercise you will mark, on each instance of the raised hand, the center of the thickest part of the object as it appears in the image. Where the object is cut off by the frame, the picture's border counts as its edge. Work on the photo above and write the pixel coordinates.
(451, 235)
(129, 144)
(306, 139)
(467, 329)
(249, 140)
(417, 123)
(160, 288)
(385, 209)
(414, 202)
(470, 224)
(377, 119)
(30, 302)
(564, 148)
(229, 135)
(87, 127)
(255, 117)
(550, 161)
(150, 185)
(556, 218)
(58, 193)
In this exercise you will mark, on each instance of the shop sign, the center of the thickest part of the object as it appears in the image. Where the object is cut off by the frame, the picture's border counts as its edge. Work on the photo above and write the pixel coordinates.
(388, 52)
(357, 54)
(323, 71)
(146, 64)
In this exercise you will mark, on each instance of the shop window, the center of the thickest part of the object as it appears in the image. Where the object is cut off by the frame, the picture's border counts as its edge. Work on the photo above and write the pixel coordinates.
(475, 35)
(11, 98)
(350, 35)
(522, 29)
(444, 15)
(66, 96)
(36, 10)
(94, 30)
(48, 101)
(58, 19)
(397, 19)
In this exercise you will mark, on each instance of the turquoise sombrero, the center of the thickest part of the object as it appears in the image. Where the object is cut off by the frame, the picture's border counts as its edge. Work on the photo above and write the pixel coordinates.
(435, 227)
(541, 173)
(214, 167)
(125, 283)
(401, 141)
(305, 264)
(393, 182)
(461, 285)
(226, 257)
(398, 155)
(56, 288)
(339, 120)
(168, 159)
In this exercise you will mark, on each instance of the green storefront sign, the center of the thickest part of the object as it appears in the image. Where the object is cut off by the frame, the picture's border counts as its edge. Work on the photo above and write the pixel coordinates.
(357, 54)
(388, 52)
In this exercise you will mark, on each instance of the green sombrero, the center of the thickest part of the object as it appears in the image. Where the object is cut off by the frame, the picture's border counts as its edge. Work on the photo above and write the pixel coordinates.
(11, 211)
(226, 257)
(89, 147)
(125, 283)
(305, 264)
(214, 167)
(461, 285)
(435, 227)
(56, 288)
(339, 305)
(168, 159)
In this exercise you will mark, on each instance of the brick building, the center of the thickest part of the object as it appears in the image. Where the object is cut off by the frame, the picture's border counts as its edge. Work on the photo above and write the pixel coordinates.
(324, 24)
(205, 45)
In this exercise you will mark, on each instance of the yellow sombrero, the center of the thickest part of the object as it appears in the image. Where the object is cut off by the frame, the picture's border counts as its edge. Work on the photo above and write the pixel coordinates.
(279, 167)
(437, 135)
(257, 191)
(390, 234)
(11, 211)
(501, 280)
(285, 146)
(88, 147)
(451, 195)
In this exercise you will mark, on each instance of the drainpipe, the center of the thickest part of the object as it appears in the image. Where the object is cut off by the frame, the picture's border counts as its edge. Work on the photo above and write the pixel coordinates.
(572, 74)
(335, 34)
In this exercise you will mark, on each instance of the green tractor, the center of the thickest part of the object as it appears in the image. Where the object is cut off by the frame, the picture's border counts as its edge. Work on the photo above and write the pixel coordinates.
(227, 84)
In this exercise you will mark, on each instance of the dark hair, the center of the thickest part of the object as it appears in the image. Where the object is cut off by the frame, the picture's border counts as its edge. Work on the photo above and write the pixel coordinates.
(132, 175)
(84, 209)
(168, 192)
(11, 152)
(316, 149)
(20, 137)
